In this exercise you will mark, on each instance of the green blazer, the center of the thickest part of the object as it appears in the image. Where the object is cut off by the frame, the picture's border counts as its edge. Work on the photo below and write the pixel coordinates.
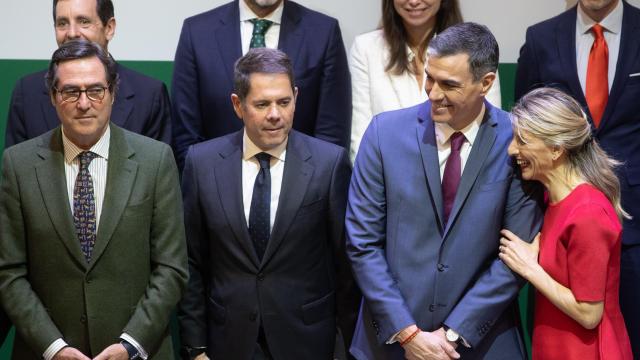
(138, 269)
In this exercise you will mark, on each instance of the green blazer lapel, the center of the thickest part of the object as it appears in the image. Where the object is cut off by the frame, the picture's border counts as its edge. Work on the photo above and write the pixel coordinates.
(53, 187)
(295, 181)
(121, 174)
(481, 147)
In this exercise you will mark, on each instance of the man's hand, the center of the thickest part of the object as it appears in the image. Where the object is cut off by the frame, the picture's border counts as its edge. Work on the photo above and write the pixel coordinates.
(69, 353)
(113, 352)
(202, 356)
(430, 345)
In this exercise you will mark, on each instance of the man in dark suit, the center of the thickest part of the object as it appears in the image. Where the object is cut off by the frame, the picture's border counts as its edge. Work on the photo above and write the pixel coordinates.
(92, 248)
(142, 105)
(211, 42)
(563, 52)
(431, 188)
(264, 212)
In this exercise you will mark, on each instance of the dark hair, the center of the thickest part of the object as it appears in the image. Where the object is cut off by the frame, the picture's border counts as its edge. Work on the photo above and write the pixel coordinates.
(80, 49)
(472, 39)
(260, 60)
(395, 34)
(103, 7)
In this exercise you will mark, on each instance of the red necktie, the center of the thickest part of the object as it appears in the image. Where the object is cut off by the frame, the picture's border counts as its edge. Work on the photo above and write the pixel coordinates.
(597, 89)
(452, 174)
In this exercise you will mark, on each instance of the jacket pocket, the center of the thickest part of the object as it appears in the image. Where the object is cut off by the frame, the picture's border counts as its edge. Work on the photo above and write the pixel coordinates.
(217, 312)
(319, 309)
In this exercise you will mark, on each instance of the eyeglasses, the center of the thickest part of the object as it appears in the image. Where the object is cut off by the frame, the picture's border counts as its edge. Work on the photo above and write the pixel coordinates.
(94, 93)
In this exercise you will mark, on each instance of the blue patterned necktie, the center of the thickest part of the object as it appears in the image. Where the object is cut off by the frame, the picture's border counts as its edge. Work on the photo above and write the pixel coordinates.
(84, 205)
(260, 27)
(259, 213)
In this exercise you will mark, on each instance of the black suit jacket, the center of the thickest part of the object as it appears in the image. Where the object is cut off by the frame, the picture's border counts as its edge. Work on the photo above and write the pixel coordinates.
(304, 280)
(141, 105)
(5, 325)
(203, 75)
(548, 58)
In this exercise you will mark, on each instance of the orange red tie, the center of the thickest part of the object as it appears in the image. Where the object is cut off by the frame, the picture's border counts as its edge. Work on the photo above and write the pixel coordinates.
(597, 89)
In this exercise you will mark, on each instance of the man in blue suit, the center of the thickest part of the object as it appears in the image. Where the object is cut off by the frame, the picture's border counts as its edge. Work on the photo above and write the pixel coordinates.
(264, 212)
(211, 42)
(431, 188)
(556, 53)
(142, 104)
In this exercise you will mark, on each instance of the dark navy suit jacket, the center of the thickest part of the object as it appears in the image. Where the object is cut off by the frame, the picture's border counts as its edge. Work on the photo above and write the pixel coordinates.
(303, 286)
(414, 269)
(141, 105)
(203, 75)
(548, 58)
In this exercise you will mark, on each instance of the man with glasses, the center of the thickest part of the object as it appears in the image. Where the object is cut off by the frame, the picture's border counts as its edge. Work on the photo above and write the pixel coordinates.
(142, 105)
(92, 247)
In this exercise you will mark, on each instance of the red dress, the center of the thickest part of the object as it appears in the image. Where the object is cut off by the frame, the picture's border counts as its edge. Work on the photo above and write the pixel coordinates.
(580, 249)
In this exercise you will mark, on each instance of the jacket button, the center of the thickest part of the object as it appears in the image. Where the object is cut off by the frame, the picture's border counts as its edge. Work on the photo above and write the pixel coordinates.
(432, 307)
(441, 267)
(253, 316)
(83, 318)
(260, 276)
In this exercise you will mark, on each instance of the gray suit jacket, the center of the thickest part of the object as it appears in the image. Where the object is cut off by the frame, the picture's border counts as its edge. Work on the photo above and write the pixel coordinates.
(138, 270)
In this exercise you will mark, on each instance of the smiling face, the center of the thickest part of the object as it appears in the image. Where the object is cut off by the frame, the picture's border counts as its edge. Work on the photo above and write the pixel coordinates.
(77, 19)
(267, 111)
(535, 159)
(84, 121)
(417, 14)
(456, 99)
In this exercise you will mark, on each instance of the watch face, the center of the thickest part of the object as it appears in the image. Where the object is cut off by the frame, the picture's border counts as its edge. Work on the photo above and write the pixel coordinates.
(452, 336)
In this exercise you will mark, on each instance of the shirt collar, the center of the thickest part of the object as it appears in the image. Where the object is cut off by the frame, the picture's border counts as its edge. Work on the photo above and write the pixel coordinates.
(611, 23)
(247, 14)
(249, 149)
(444, 131)
(101, 148)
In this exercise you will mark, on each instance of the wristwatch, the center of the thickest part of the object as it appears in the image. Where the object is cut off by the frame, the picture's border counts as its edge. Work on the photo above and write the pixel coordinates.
(453, 336)
(193, 352)
(131, 350)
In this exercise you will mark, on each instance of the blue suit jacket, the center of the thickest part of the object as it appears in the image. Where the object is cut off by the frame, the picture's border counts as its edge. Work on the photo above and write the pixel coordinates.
(548, 58)
(410, 266)
(303, 283)
(203, 75)
(141, 105)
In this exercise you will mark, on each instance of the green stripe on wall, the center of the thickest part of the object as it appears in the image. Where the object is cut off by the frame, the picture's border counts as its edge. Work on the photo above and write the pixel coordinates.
(12, 70)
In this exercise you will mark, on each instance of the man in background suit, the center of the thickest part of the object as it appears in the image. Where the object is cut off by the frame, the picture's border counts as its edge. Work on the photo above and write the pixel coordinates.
(264, 212)
(601, 69)
(142, 105)
(92, 248)
(211, 42)
(431, 188)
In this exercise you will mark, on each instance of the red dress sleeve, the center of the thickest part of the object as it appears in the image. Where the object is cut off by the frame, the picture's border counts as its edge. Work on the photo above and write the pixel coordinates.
(590, 237)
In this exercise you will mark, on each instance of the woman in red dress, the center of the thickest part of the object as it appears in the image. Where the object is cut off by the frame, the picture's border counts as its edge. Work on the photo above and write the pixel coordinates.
(574, 263)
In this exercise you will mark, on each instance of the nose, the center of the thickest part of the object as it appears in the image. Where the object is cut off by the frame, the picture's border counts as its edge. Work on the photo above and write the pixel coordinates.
(434, 91)
(73, 32)
(83, 102)
(513, 148)
(274, 113)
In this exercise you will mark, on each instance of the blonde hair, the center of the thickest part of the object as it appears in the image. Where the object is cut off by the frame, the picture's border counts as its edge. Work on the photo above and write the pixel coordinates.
(558, 120)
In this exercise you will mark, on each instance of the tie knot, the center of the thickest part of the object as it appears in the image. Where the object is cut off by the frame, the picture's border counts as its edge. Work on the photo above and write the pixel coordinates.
(457, 139)
(264, 159)
(85, 158)
(598, 31)
(260, 26)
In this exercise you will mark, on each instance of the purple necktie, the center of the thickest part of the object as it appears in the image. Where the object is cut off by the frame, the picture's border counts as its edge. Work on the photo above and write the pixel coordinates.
(452, 174)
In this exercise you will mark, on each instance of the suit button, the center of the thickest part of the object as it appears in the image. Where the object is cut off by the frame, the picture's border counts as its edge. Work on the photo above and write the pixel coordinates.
(253, 316)
(432, 307)
(83, 319)
(441, 267)
(260, 276)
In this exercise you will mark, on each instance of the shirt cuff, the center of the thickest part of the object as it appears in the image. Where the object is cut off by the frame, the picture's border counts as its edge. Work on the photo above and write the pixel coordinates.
(53, 349)
(393, 338)
(132, 341)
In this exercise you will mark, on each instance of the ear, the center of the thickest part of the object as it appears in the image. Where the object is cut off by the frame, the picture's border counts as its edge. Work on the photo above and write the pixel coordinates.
(557, 152)
(295, 96)
(52, 97)
(237, 105)
(487, 81)
(110, 29)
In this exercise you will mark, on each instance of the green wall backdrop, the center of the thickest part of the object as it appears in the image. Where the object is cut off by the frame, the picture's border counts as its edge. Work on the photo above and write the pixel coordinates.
(12, 70)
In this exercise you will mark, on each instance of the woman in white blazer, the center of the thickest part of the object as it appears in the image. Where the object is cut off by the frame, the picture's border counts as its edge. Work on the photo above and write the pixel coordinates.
(385, 72)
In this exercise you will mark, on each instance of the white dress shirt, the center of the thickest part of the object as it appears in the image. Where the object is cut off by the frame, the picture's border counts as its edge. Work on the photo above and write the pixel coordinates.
(443, 135)
(251, 168)
(246, 26)
(612, 25)
(374, 90)
(98, 171)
